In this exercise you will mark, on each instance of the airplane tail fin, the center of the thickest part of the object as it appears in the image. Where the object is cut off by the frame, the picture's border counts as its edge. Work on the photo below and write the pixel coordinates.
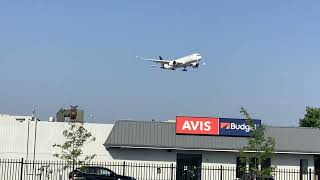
(160, 58)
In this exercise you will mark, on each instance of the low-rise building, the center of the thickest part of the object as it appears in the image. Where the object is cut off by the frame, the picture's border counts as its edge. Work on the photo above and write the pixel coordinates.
(157, 143)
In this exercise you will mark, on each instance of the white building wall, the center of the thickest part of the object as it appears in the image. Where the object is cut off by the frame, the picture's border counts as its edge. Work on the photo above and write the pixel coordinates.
(227, 159)
(143, 156)
(10, 117)
(280, 161)
(216, 159)
(13, 139)
(291, 161)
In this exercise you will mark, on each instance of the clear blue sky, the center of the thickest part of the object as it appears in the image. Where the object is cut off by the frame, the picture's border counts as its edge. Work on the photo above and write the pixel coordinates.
(263, 55)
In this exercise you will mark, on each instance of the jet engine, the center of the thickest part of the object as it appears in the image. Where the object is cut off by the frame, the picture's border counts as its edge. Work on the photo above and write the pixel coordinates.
(172, 63)
(195, 65)
(168, 66)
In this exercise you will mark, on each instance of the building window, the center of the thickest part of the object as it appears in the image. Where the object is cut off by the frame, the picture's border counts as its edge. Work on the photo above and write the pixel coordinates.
(266, 164)
(317, 164)
(241, 166)
(253, 164)
(304, 166)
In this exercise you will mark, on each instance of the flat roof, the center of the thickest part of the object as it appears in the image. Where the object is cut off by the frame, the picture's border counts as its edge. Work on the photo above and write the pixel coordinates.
(162, 135)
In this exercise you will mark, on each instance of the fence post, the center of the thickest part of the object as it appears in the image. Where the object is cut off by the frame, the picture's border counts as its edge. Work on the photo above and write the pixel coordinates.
(221, 172)
(171, 177)
(21, 169)
(123, 168)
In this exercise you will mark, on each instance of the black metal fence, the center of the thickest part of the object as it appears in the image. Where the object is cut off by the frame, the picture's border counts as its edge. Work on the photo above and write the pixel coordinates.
(58, 170)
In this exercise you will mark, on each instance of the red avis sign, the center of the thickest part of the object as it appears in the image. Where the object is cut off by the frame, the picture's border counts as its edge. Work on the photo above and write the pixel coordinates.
(197, 125)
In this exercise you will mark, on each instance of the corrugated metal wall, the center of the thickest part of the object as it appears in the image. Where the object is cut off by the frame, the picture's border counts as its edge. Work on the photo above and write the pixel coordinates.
(13, 139)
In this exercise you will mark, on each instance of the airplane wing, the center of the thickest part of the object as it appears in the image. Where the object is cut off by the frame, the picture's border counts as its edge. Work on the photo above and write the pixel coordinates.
(155, 60)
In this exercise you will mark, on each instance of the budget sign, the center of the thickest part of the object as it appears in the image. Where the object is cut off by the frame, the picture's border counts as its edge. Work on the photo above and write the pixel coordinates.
(236, 127)
(197, 125)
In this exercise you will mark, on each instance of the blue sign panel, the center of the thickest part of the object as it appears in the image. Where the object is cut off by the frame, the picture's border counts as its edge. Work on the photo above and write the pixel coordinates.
(236, 127)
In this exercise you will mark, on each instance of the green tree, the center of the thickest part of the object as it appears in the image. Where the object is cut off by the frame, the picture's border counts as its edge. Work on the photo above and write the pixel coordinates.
(311, 118)
(258, 149)
(71, 150)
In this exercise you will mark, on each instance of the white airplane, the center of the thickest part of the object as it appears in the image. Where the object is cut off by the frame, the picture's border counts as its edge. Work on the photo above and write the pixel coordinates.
(192, 60)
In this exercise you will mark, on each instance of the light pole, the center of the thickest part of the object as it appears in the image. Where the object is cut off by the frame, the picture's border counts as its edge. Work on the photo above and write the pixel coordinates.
(35, 139)
(28, 132)
(28, 139)
(35, 133)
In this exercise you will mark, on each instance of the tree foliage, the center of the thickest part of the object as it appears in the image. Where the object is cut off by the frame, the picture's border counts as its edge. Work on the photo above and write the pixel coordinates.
(71, 150)
(311, 118)
(258, 149)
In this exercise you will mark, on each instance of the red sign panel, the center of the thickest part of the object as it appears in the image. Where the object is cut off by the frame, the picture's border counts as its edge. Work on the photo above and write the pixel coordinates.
(197, 125)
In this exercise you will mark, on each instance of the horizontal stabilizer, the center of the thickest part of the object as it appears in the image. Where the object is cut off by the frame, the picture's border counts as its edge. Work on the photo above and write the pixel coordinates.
(154, 66)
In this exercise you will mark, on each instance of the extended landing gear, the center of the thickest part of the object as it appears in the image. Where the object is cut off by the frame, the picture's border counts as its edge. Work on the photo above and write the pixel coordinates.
(184, 69)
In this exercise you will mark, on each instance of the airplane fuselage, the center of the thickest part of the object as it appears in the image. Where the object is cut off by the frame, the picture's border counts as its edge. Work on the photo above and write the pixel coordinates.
(190, 60)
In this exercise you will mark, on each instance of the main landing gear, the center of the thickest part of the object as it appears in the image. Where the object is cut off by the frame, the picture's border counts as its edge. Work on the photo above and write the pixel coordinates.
(184, 69)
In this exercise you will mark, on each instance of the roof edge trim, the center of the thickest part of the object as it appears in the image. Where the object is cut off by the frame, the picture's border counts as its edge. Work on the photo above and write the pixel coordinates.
(209, 150)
